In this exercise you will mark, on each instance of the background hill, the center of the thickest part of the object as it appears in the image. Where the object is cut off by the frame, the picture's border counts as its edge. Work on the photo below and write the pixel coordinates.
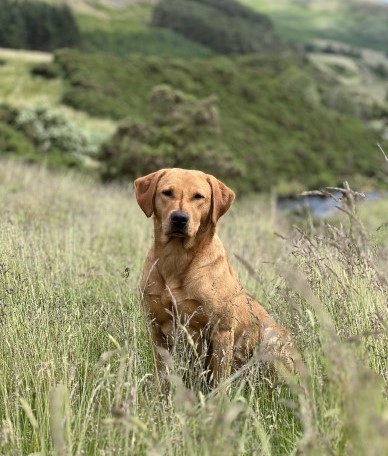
(272, 111)
(359, 23)
(301, 112)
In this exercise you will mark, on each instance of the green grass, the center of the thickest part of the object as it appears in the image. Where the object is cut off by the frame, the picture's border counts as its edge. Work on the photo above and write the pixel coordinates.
(76, 372)
(126, 31)
(17, 86)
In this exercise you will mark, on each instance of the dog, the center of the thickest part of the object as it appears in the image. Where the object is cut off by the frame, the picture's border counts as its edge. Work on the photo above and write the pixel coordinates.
(187, 277)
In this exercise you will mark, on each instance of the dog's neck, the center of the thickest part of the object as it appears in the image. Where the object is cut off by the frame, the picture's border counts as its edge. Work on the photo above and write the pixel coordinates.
(175, 254)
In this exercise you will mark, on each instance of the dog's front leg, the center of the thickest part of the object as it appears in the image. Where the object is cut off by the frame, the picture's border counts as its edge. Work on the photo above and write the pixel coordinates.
(222, 354)
(161, 348)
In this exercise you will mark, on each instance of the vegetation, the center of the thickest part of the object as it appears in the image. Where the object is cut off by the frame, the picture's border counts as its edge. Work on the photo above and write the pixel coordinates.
(37, 25)
(41, 134)
(160, 42)
(27, 81)
(226, 27)
(182, 132)
(124, 28)
(76, 370)
(358, 23)
(13, 142)
(48, 130)
(77, 374)
(19, 87)
(271, 113)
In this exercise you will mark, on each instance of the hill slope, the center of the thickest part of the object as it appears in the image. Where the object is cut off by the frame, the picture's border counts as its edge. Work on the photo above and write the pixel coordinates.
(272, 115)
(357, 22)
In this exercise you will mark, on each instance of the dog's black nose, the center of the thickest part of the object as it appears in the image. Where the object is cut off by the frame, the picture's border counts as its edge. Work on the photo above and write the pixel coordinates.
(179, 218)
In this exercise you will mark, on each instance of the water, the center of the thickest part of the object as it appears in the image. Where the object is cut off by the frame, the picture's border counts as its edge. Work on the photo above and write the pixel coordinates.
(318, 206)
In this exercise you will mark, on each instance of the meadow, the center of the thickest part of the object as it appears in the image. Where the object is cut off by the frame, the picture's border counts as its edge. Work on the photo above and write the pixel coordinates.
(76, 368)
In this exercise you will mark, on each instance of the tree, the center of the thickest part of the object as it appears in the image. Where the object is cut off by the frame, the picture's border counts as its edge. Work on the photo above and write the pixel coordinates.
(36, 25)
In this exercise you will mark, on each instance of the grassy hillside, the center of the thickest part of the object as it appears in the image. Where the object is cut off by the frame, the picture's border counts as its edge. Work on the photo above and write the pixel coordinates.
(115, 24)
(124, 27)
(272, 116)
(359, 23)
(20, 88)
(360, 73)
(76, 372)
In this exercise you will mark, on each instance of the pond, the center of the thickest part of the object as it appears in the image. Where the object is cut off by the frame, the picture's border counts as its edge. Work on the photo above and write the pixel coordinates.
(318, 206)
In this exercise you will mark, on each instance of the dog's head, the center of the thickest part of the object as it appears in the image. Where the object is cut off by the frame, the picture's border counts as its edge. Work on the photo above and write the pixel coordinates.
(183, 202)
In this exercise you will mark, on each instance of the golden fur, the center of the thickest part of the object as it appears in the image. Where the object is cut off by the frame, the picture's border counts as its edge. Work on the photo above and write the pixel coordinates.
(192, 269)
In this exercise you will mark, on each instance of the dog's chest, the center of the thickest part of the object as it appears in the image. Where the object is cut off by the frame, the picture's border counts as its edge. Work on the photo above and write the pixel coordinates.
(180, 302)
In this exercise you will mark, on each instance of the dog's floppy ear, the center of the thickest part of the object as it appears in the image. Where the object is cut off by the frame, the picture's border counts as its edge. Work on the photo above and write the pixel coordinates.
(222, 198)
(145, 188)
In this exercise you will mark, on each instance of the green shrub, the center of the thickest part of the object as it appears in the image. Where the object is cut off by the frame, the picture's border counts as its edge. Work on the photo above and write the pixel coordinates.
(8, 114)
(45, 70)
(226, 27)
(41, 135)
(182, 132)
(50, 130)
(14, 142)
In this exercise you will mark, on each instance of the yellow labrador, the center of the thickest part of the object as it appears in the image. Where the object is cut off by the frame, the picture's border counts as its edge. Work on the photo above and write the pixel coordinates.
(187, 275)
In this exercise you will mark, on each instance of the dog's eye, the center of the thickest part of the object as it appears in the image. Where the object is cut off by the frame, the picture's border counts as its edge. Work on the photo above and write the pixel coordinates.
(167, 192)
(198, 196)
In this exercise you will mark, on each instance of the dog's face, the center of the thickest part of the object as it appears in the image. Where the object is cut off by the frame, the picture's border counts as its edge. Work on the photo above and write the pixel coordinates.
(184, 202)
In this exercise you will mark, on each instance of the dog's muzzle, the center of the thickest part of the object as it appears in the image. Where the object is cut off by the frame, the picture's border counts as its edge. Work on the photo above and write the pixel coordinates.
(179, 223)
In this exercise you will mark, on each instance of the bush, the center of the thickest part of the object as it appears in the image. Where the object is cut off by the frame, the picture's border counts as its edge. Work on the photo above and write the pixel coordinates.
(41, 135)
(45, 70)
(226, 27)
(49, 130)
(182, 132)
(14, 142)
(37, 25)
(8, 114)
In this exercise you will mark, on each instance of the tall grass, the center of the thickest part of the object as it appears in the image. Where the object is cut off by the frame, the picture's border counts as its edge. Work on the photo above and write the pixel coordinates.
(76, 368)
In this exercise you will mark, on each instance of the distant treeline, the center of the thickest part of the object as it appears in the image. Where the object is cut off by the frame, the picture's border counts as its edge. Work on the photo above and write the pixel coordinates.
(36, 25)
(225, 26)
